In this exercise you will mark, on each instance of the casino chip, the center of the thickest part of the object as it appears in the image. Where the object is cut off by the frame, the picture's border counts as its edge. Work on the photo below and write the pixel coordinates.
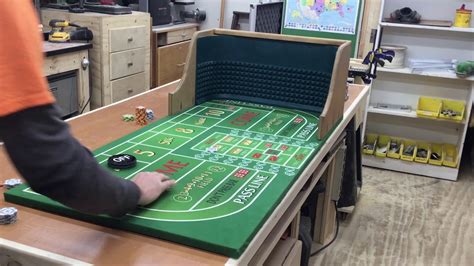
(122, 161)
(11, 183)
(8, 215)
(150, 115)
(128, 118)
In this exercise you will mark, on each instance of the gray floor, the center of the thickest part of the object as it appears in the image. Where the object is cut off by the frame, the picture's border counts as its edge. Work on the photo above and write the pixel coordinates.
(403, 219)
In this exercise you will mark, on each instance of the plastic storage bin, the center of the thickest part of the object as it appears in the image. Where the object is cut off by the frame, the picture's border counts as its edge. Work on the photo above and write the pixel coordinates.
(450, 155)
(382, 146)
(429, 107)
(406, 146)
(370, 143)
(420, 156)
(394, 152)
(455, 106)
(436, 149)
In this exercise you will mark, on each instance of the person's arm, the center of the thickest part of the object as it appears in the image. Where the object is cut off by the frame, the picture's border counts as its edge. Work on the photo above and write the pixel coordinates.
(56, 165)
(39, 142)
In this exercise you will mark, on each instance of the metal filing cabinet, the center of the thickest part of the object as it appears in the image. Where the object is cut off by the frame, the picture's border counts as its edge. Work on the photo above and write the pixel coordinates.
(64, 88)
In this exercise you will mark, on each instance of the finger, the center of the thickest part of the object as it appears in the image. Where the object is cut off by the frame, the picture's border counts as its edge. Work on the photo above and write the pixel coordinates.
(163, 177)
(169, 183)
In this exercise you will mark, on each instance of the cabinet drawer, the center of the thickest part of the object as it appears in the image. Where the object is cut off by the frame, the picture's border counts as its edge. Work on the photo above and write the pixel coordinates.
(126, 87)
(127, 63)
(127, 38)
(171, 61)
(176, 36)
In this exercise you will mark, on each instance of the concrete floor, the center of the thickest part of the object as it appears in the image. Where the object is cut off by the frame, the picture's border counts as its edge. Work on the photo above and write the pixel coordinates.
(403, 219)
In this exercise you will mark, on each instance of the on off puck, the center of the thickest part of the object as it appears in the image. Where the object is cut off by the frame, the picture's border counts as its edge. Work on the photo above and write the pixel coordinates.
(122, 161)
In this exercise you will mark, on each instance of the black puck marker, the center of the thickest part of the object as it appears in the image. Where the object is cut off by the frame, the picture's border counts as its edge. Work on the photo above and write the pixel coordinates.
(122, 161)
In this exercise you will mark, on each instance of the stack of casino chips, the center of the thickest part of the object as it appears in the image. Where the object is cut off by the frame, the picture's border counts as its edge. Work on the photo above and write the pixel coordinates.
(149, 114)
(8, 215)
(140, 116)
(128, 118)
(11, 183)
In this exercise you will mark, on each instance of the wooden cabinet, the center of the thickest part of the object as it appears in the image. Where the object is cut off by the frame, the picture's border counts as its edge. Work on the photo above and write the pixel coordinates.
(170, 47)
(120, 57)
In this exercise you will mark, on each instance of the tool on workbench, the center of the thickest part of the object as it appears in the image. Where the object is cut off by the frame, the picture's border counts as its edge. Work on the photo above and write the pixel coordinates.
(59, 34)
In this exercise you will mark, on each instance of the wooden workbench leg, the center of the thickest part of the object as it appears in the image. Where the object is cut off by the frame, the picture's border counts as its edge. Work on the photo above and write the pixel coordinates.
(324, 227)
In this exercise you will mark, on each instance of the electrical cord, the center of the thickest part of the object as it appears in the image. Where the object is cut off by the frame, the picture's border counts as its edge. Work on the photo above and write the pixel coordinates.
(85, 105)
(335, 236)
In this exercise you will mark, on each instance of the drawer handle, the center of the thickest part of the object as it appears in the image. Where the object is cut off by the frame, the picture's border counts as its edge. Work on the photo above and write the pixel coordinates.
(130, 64)
(180, 65)
(130, 90)
(130, 39)
(183, 35)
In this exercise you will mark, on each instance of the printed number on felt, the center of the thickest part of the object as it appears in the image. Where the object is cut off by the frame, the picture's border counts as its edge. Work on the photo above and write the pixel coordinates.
(184, 130)
(147, 153)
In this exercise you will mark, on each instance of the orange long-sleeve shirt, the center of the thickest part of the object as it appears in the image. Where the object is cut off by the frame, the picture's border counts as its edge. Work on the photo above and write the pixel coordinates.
(22, 84)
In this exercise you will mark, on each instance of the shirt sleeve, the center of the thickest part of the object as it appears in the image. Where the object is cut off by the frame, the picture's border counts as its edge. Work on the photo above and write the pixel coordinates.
(22, 84)
(58, 166)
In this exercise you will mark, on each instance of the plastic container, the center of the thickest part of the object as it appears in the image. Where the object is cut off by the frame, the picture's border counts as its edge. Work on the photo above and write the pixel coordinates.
(455, 106)
(382, 146)
(450, 155)
(394, 153)
(422, 158)
(463, 17)
(370, 143)
(429, 107)
(436, 149)
(406, 144)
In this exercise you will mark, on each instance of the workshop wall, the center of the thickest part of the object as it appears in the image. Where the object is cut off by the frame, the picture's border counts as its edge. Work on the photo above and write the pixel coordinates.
(213, 10)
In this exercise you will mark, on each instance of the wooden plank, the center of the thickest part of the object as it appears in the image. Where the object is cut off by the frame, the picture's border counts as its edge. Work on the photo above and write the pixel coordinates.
(334, 107)
(370, 21)
(13, 253)
(184, 95)
(281, 251)
(222, 14)
(166, 28)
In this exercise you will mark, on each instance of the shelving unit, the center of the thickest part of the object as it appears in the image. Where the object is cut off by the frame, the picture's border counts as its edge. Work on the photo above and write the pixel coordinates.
(440, 74)
(402, 86)
(423, 27)
(411, 114)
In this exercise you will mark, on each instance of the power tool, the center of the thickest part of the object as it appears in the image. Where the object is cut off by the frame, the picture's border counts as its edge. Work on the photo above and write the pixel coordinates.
(59, 34)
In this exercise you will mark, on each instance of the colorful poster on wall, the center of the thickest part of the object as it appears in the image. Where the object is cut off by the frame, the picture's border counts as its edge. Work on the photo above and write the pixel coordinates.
(334, 16)
(334, 19)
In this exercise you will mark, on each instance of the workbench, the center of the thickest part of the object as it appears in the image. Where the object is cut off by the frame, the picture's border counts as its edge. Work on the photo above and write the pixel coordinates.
(61, 58)
(43, 237)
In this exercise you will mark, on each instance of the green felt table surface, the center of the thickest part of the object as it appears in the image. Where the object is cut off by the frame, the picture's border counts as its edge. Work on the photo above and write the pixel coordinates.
(233, 162)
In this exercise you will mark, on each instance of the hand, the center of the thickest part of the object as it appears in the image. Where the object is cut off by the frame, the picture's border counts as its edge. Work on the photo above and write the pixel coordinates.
(151, 185)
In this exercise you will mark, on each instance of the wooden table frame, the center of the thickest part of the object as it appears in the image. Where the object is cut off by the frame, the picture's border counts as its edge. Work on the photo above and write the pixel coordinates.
(100, 245)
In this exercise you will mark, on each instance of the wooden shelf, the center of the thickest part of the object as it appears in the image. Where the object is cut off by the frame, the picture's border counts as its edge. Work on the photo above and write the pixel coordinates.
(424, 27)
(411, 114)
(441, 172)
(409, 71)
